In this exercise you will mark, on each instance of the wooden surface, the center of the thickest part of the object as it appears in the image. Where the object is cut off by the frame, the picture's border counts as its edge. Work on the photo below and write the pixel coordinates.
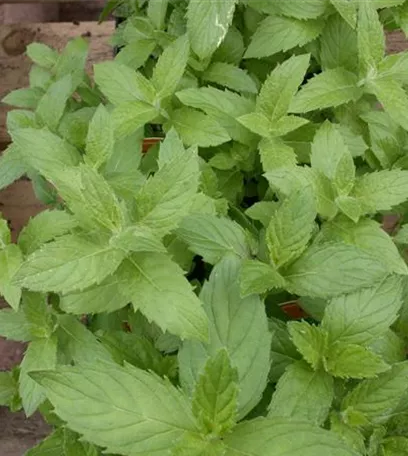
(14, 64)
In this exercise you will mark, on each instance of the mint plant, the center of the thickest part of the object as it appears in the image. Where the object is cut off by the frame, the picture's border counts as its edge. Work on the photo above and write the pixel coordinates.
(151, 290)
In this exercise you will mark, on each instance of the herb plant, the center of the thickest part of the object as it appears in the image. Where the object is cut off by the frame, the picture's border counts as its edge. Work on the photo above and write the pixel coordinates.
(151, 290)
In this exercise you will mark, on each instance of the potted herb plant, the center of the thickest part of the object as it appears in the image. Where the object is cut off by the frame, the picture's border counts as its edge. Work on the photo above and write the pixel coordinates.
(284, 145)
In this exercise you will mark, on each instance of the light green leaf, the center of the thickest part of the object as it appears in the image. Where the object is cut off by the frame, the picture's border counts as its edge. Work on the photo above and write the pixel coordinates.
(52, 105)
(12, 166)
(371, 38)
(279, 33)
(44, 151)
(283, 350)
(338, 45)
(147, 414)
(402, 236)
(14, 325)
(395, 446)
(197, 128)
(137, 239)
(303, 394)
(281, 437)
(167, 196)
(332, 269)
(347, 10)
(45, 227)
(230, 76)
(40, 355)
(74, 126)
(7, 388)
(392, 97)
(258, 277)
(376, 398)
(5, 234)
(237, 324)
(275, 153)
(198, 445)
(256, 122)
(327, 90)
(100, 140)
(24, 98)
(287, 236)
(390, 347)
(170, 67)
(120, 84)
(353, 437)
(368, 236)
(345, 174)
(353, 361)
(350, 207)
(72, 60)
(37, 313)
(213, 238)
(308, 9)
(362, 317)
(311, 341)
(286, 125)
(108, 296)
(70, 263)
(394, 66)
(11, 259)
(215, 395)
(231, 49)
(128, 117)
(207, 24)
(156, 12)
(380, 191)
(42, 55)
(157, 287)
(262, 211)
(135, 55)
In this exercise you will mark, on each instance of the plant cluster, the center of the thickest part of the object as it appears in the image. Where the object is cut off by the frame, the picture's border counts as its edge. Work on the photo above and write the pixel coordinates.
(151, 289)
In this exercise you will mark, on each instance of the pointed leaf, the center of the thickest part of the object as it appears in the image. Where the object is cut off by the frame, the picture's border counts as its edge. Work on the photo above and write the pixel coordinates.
(230, 76)
(11, 259)
(100, 140)
(257, 277)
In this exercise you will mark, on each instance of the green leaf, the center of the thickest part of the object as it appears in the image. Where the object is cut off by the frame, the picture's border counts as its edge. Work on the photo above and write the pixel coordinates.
(5, 234)
(74, 126)
(308, 9)
(376, 398)
(198, 445)
(100, 140)
(303, 394)
(128, 117)
(170, 67)
(137, 239)
(230, 76)
(257, 277)
(24, 98)
(395, 446)
(231, 49)
(380, 191)
(333, 269)
(283, 350)
(12, 167)
(52, 105)
(287, 236)
(371, 38)
(350, 207)
(40, 355)
(7, 388)
(280, 87)
(207, 24)
(361, 317)
(368, 236)
(328, 151)
(120, 84)
(156, 12)
(42, 55)
(347, 10)
(14, 325)
(390, 347)
(70, 263)
(311, 341)
(167, 196)
(262, 211)
(44, 151)
(236, 324)
(279, 33)
(146, 414)
(327, 90)
(215, 395)
(11, 259)
(393, 99)
(279, 437)
(196, 128)
(353, 361)
(73, 59)
(212, 237)
(45, 227)
(157, 287)
(134, 55)
(402, 236)
(276, 154)
(38, 315)
(353, 437)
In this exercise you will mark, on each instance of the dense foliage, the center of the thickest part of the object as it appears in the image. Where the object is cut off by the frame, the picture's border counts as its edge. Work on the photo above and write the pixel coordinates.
(151, 289)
